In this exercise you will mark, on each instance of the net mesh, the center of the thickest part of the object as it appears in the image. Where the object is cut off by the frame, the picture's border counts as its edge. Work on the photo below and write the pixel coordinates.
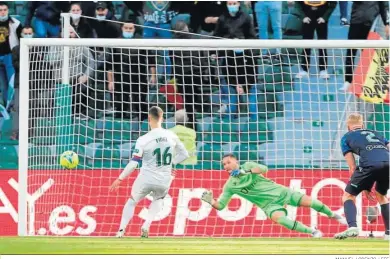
(237, 101)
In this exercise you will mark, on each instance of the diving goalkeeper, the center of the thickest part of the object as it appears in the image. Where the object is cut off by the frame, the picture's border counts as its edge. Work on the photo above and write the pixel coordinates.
(248, 182)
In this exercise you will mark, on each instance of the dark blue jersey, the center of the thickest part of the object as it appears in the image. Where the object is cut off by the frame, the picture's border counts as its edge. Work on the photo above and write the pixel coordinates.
(367, 144)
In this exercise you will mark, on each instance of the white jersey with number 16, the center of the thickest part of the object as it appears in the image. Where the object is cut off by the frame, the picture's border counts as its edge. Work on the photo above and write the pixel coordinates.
(158, 149)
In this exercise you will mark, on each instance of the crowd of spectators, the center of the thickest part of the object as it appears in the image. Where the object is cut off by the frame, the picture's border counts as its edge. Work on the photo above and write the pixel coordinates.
(127, 74)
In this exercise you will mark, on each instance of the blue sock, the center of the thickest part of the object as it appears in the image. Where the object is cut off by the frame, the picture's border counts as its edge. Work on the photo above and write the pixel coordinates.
(385, 215)
(350, 213)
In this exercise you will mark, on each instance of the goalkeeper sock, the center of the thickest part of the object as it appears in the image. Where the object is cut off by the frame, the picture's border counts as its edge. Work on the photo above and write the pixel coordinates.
(385, 216)
(320, 207)
(154, 208)
(350, 213)
(127, 213)
(294, 225)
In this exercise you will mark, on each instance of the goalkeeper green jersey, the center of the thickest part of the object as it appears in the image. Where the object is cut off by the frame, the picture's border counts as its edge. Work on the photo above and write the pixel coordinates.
(252, 187)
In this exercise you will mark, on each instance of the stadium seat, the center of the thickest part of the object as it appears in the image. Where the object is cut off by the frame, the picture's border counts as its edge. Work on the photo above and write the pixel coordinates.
(210, 165)
(169, 123)
(117, 125)
(8, 154)
(210, 152)
(144, 126)
(204, 124)
(246, 152)
(44, 133)
(229, 147)
(220, 127)
(41, 151)
(218, 137)
(107, 164)
(5, 128)
(107, 151)
(114, 136)
(8, 166)
(380, 118)
(254, 132)
(126, 150)
(85, 132)
(57, 150)
(278, 79)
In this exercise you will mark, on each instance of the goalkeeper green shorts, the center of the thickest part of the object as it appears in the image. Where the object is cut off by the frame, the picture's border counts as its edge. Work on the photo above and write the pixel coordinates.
(289, 197)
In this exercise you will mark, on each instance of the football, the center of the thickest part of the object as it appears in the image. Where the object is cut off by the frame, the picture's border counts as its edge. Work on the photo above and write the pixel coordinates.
(69, 160)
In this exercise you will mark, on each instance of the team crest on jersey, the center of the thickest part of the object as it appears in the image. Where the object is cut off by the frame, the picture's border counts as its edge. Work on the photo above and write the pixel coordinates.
(315, 3)
(159, 5)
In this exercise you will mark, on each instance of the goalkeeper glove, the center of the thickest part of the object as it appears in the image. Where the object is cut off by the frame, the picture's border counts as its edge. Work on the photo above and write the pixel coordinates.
(207, 196)
(237, 172)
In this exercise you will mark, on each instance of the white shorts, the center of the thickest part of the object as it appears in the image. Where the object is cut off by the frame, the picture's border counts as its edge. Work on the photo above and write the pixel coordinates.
(143, 186)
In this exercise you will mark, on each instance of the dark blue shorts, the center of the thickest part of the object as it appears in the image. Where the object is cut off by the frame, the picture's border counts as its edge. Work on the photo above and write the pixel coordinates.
(364, 178)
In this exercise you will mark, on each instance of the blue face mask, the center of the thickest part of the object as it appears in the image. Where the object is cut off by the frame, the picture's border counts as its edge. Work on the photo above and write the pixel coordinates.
(233, 9)
(3, 18)
(27, 36)
(100, 17)
(127, 35)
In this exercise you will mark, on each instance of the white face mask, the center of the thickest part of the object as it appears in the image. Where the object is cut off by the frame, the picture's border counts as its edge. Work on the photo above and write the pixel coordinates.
(3, 18)
(100, 17)
(75, 16)
(27, 36)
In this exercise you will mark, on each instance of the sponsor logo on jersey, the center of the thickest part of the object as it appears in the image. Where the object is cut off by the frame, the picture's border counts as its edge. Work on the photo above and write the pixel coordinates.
(372, 147)
(250, 187)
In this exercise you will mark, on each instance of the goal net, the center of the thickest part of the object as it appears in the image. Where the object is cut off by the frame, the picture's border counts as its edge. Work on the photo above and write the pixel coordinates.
(92, 96)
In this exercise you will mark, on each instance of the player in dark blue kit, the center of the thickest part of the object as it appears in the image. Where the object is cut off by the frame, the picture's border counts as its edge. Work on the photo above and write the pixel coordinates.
(373, 151)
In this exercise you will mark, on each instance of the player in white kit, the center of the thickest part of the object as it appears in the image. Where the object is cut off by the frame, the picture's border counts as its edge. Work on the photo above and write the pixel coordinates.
(158, 150)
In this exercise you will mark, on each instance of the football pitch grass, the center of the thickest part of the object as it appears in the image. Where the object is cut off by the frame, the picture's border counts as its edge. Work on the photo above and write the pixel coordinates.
(85, 245)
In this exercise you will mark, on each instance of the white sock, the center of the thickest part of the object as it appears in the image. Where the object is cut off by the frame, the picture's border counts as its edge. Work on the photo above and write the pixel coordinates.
(154, 208)
(127, 213)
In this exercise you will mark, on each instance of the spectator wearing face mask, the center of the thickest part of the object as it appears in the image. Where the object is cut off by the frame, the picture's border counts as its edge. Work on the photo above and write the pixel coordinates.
(27, 33)
(130, 71)
(238, 66)
(39, 78)
(10, 31)
(235, 24)
(47, 17)
(80, 24)
(103, 26)
(129, 30)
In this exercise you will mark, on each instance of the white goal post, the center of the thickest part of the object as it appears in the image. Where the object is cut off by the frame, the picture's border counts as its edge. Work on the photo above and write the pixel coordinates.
(29, 220)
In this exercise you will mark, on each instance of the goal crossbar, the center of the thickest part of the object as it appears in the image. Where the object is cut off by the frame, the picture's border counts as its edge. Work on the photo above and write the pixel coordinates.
(208, 44)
